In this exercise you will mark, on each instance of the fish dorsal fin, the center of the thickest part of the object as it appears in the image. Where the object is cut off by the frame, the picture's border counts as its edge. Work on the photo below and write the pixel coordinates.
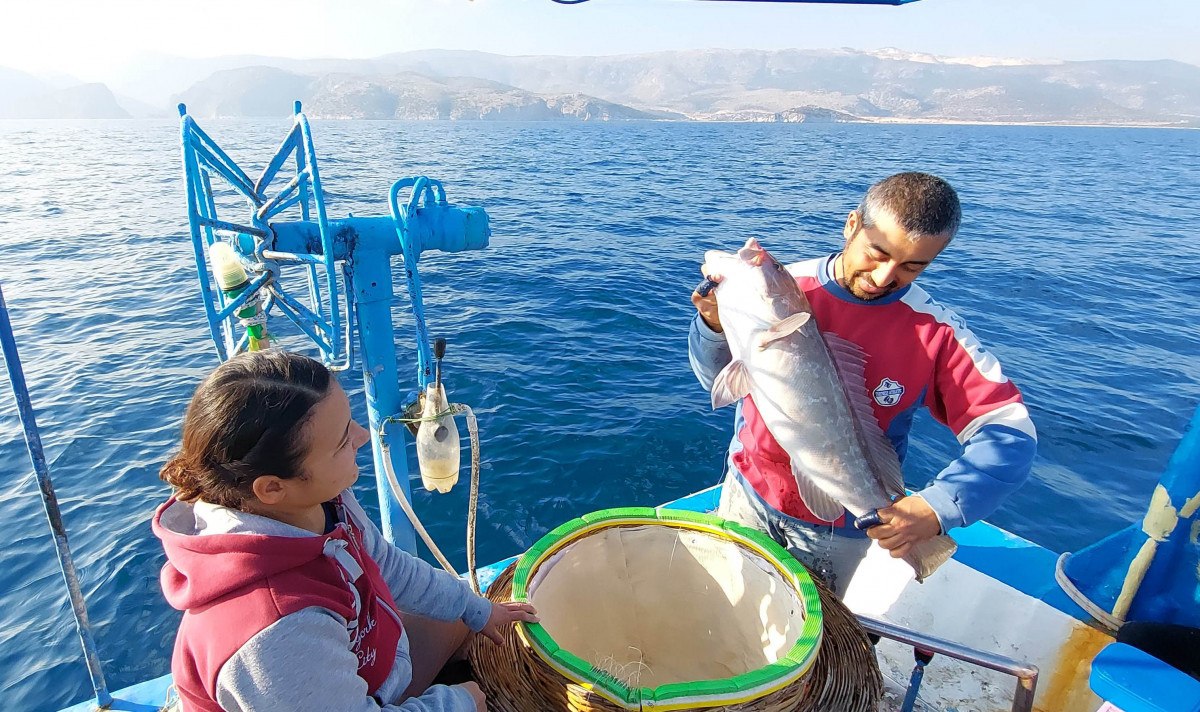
(826, 508)
(851, 364)
(731, 384)
(783, 328)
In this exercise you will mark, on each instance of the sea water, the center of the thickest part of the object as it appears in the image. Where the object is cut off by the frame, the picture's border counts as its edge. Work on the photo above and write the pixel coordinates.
(1077, 266)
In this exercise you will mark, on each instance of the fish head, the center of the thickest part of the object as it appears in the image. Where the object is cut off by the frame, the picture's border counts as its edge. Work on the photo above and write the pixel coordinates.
(771, 281)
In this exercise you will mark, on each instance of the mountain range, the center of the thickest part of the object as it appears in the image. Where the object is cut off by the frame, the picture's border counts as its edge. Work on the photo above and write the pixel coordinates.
(701, 85)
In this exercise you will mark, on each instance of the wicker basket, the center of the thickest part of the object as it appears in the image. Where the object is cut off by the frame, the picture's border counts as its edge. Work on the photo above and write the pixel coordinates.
(844, 675)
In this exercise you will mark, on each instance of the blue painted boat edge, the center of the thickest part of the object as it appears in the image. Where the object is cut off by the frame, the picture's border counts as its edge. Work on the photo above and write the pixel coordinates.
(1015, 561)
(149, 696)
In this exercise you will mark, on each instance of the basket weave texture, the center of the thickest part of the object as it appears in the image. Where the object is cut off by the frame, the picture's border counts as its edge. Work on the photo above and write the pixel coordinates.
(844, 678)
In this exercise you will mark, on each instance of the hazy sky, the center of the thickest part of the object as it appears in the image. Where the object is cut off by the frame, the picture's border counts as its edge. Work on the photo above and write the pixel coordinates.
(92, 38)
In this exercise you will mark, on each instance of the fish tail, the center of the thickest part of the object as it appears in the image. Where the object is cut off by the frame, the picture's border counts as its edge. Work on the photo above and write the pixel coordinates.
(927, 556)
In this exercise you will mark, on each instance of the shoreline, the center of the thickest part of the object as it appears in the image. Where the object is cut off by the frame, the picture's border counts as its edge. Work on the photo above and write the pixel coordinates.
(1065, 124)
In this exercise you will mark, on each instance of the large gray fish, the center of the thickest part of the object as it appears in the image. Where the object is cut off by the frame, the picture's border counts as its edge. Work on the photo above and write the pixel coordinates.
(811, 391)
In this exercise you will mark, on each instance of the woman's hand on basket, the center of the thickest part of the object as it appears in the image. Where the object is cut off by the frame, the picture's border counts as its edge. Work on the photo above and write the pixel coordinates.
(506, 613)
(472, 688)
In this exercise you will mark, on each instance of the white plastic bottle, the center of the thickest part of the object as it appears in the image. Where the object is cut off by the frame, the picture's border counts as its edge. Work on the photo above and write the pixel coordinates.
(437, 443)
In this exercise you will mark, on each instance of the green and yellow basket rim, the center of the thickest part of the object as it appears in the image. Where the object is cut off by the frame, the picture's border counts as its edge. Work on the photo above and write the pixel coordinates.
(688, 695)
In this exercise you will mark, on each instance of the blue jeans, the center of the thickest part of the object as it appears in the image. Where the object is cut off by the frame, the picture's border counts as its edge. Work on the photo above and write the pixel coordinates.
(831, 553)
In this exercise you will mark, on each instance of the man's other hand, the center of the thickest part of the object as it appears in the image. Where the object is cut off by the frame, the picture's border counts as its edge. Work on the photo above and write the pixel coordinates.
(907, 521)
(707, 305)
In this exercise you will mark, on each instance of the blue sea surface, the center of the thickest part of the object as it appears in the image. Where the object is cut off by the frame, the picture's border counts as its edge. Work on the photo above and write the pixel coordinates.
(1076, 265)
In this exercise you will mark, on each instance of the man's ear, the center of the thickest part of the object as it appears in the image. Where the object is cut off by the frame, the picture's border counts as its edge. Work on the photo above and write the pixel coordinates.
(853, 223)
(269, 489)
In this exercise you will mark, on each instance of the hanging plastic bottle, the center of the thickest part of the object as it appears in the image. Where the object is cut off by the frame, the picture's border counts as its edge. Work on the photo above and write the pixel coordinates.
(232, 279)
(437, 438)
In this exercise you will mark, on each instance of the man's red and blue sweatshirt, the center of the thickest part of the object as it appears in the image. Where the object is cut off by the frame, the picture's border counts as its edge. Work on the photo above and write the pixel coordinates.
(918, 354)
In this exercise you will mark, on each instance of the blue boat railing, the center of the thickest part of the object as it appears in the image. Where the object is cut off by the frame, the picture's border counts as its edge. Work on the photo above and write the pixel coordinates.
(1026, 674)
(33, 443)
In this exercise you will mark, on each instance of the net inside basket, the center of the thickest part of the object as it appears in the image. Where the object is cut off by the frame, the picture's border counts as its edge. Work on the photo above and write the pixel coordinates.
(657, 605)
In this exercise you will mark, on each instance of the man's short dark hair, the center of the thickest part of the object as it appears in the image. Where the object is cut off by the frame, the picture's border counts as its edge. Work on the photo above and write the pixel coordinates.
(922, 204)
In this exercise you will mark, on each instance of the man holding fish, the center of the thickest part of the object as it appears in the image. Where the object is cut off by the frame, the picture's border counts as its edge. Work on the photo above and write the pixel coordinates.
(828, 361)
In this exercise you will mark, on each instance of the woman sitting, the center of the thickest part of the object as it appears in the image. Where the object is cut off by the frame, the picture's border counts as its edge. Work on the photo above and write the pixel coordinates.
(292, 598)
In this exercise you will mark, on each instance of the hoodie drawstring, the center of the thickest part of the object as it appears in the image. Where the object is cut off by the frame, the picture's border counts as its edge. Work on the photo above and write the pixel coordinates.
(336, 549)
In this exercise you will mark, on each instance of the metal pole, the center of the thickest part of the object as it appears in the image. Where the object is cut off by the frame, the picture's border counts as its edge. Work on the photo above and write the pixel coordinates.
(33, 443)
(373, 305)
(1025, 673)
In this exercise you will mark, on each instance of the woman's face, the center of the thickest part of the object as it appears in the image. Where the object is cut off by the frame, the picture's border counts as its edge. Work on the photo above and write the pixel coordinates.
(330, 439)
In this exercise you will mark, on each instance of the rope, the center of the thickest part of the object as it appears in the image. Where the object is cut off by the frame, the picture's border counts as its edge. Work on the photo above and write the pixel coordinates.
(259, 318)
(452, 409)
(398, 493)
(1068, 586)
(473, 505)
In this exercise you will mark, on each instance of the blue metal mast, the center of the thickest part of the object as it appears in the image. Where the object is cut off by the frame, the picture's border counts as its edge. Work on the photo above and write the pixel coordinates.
(356, 249)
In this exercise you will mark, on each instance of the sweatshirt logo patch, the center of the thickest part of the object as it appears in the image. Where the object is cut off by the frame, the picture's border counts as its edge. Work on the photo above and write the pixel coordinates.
(888, 392)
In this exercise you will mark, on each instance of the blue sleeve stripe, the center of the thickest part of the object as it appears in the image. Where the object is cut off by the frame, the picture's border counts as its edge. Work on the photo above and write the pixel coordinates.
(995, 462)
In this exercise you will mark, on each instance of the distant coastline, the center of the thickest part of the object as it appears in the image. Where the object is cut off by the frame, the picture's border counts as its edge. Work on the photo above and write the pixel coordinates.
(696, 85)
(1049, 124)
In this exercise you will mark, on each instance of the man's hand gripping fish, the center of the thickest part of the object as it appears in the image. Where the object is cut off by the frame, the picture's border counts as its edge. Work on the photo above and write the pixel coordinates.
(810, 389)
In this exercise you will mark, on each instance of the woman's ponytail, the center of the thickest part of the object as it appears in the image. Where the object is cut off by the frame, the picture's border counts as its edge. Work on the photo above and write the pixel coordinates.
(245, 421)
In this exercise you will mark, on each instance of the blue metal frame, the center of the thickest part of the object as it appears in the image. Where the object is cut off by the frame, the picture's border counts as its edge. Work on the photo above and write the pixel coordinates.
(426, 209)
(829, 2)
(360, 248)
(321, 319)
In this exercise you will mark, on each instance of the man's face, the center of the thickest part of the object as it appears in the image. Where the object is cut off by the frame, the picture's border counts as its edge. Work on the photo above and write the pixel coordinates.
(880, 260)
